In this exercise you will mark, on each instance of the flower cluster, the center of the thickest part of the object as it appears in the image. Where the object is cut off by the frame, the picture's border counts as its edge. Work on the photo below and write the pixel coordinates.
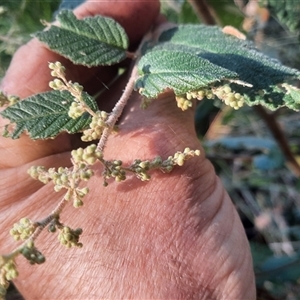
(70, 179)
(223, 92)
(78, 106)
(186, 101)
(23, 230)
(87, 156)
(141, 168)
(70, 237)
(67, 236)
(76, 110)
(231, 98)
(115, 169)
(58, 70)
(180, 158)
(64, 178)
(77, 195)
(8, 271)
(96, 127)
(32, 254)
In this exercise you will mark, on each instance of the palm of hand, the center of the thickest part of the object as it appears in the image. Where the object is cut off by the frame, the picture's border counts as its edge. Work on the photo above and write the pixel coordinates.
(177, 236)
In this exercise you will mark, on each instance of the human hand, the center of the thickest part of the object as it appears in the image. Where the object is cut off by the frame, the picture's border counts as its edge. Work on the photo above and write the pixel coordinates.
(177, 236)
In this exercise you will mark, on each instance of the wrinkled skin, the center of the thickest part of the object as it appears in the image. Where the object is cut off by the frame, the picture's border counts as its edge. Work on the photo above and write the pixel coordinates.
(175, 237)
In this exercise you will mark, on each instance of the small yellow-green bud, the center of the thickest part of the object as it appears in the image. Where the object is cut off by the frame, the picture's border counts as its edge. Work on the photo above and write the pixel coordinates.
(77, 87)
(69, 194)
(144, 177)
(189, 96)
(40, 259)
(144, 164)
(86, 175)
(227, 89)
(30, 244)
(187, 150)
(117, 162)
(168, 168)
(61, 170)
(52, 228)
(57, 84)
(197, 152)
(51, 65)
(77, 203)
(240, 103)
(237, 96)
(104, 115)
(156, 162)
(58, 188)
(180, 159)
(11, 274)
(90, 149)
(201, 94)
(80, 193)
(78, 231)
(210, 95)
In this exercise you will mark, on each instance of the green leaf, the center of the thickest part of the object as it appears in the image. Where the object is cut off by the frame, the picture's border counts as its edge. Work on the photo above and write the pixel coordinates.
(178, 12)
(287, 12)
(45, 115)
(179, 71)
(228, 13)
(92, 41)
(220, 57)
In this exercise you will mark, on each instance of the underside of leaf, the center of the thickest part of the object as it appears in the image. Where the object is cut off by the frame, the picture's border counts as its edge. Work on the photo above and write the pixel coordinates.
(92, 41)
(45, 115)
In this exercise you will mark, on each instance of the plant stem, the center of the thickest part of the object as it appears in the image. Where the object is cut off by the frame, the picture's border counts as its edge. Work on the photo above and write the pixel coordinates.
(204, 11)
(118, 109)
(280, 138)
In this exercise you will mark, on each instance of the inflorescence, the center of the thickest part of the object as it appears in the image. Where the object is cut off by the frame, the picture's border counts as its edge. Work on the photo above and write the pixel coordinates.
(72, 179)
(223, 92)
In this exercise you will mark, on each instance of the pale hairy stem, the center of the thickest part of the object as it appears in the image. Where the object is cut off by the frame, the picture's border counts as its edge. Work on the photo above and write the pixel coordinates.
(118, 109)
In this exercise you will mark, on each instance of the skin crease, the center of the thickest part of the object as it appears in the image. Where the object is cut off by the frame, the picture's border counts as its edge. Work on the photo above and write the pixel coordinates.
(177, 236)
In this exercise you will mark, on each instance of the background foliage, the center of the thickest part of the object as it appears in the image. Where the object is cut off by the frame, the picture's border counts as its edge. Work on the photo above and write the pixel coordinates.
(19, 19)
(253, 169)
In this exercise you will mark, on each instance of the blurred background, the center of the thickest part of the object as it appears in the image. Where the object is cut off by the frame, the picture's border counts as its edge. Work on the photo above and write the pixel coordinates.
(255, 152)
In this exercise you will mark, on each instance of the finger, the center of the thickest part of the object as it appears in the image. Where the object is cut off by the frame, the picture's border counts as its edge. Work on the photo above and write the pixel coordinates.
(135, 16)
(29, 71)
(29, 74)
